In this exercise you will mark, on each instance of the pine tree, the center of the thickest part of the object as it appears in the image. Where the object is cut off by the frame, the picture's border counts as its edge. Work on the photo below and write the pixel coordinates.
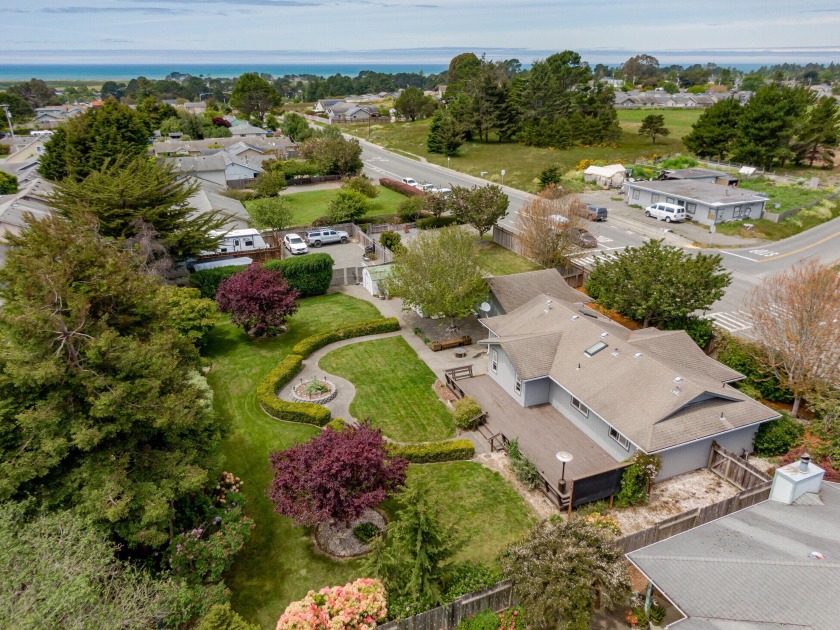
(820, 133)
(716, 130)
(654, 125)
(444, 136)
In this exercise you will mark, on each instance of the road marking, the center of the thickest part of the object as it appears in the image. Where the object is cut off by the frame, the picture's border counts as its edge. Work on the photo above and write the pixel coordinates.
(740, 256)
(763, 252)
(802, 249)
(731, 321)
(587, 261)
(603, 239)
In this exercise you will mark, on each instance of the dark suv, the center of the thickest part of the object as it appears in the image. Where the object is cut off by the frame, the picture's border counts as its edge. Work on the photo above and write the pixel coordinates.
(596, 213)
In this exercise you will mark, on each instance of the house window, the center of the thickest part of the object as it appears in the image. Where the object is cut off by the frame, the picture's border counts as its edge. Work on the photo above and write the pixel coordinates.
(494, 361)
(669, 200)
(690, 208)
(623, 441)
(517, 385)
(635, 193)
(736, 212)
(654, 198)
(580, 406)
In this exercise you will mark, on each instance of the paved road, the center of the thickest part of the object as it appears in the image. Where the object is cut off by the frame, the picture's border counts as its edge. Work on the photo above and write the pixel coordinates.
(749, 265)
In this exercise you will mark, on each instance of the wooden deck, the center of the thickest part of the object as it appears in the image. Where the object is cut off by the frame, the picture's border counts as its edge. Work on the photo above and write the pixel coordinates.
(542, 432)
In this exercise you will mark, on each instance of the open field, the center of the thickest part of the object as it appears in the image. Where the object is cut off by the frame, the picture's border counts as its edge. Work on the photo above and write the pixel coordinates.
(393, 389)
(521, 163)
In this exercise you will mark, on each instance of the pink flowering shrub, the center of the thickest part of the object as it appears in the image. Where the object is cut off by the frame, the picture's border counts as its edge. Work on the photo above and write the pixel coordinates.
(355, 606)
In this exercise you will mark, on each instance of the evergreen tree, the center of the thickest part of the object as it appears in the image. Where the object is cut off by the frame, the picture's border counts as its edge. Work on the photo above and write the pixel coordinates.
(295, 127)
(444, 136)
(254, 95)
(413, 104)
(104, 408)
(819, 134)
(716, 130)
(130, 193)
(769, 124)
(414, 560)
(654, 125)
(89, 141)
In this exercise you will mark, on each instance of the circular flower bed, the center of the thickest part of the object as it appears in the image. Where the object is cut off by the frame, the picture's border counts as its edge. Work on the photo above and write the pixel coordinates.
(315, 390)
(341, 541)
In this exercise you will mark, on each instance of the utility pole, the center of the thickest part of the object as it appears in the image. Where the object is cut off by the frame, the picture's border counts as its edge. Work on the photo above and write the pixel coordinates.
(9, 119)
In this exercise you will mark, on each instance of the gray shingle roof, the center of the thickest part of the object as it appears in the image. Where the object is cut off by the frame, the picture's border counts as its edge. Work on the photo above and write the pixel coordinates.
(704, 192)
(653, 387)
(751, 569)
(198, 164)
(515, 290)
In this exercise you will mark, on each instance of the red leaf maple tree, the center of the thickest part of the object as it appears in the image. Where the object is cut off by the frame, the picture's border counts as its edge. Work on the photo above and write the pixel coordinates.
(334, 477)
(258, 300)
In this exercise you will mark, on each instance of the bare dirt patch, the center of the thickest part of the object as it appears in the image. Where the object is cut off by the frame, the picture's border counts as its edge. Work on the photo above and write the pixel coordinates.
(674, 496)
(341, 542)
(444, 393)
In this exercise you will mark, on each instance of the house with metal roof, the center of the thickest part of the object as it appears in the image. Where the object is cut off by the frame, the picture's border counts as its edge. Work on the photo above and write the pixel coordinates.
(770, 565)
(561, 377)
(702, 175)
(704, 202)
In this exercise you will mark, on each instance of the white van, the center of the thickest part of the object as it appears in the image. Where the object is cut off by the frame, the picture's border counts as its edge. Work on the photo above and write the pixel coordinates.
(665, 211)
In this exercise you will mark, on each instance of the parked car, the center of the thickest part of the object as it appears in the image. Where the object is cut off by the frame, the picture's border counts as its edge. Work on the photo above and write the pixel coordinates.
(444, 192)
(582, 238)
(594, 213)
(294, 244)
(316, 238)
(410, 181)
(665, 211)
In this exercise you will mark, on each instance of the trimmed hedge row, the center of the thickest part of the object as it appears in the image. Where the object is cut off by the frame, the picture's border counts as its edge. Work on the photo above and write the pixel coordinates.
(430, 223)
(403, 189)
(310, 275)
(283, 372)
(432, 452)
(309, 345)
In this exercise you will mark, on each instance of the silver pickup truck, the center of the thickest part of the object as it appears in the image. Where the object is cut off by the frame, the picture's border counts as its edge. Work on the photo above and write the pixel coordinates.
(316, 238)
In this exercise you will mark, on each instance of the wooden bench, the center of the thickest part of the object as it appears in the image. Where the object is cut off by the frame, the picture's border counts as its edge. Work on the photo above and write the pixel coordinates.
(446, 344)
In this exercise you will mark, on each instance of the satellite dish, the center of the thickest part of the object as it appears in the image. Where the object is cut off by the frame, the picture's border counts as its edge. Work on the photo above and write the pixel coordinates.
(485, 307)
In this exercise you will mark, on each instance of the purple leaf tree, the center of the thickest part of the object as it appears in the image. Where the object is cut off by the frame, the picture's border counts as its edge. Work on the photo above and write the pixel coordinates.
(259, 300)
(334, 477)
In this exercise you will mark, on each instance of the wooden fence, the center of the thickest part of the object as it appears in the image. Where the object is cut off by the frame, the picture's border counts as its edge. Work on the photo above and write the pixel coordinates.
(573, 275)
(736, 470)
(498, 598)
(345, 276)
(776, 217)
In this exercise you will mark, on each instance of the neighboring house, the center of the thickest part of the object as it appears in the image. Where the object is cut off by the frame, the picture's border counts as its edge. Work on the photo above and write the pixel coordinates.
(703, 202)
(323, 104)
(206, 200)
(624, 100)
(773, 565)
(562, 377)
(702, 175)
(25, 172)
(24, 148)
(247, 131)
(52, 116)
(30, 199)
(209, 168)
(277, 146)
(611, 176)
(195, 108)
(238, 168)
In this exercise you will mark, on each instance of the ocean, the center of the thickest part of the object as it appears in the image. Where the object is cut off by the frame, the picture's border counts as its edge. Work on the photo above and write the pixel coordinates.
(88, 72)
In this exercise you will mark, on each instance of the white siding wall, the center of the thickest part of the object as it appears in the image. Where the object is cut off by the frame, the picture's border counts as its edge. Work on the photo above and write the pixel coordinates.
(683, 459)
(592, 425)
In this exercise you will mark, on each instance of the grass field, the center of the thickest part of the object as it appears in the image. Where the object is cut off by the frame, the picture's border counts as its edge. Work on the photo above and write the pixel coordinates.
(521, 163)
(280, 562)
(478, 503)
(308, 206)
(393, 389)
(787, 197)
(498, 261)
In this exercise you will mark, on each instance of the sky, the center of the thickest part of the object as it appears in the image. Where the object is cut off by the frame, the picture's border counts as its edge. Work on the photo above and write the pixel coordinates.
(269, 31)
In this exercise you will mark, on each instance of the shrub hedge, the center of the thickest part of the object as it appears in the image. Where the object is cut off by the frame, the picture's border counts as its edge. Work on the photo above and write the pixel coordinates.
(432, 452)
(430, 223)
(403, 189)
(307, 346)
(208, 280)
(283, 372)
(310, 275)
(778, 436)
(740, 355)
(337, 424)
(464, 413)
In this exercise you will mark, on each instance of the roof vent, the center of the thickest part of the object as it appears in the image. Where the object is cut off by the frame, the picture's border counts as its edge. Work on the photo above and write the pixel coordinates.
(678, 379)
(804, 460)
(676, 391)
(638, 355)
(575, 316)
(604, 335)
(792, 481)
(722, 417)
(615, 352)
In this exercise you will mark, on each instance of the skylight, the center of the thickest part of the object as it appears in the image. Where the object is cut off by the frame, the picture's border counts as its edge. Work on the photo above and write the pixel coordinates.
(591, 351)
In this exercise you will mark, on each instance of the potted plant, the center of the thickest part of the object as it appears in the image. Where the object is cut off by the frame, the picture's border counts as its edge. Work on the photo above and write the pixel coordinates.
(656, 615)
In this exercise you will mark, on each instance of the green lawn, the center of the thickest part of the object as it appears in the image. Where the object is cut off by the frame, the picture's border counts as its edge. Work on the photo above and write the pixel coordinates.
(479, 503)
(393, 389)
(787, 197)
(279, 563)
(498, 261)
(308, 206)
(521, 163)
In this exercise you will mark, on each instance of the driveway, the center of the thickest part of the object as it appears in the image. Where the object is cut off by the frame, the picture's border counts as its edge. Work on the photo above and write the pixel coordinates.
(346, 255)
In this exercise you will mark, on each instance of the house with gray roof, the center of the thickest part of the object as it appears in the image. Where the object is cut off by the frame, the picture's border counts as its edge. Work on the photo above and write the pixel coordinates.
(563, 377)
(704, 202)
(206, 200)
(702, 175)
(770, 565)
(508, 293)
(209, 168)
